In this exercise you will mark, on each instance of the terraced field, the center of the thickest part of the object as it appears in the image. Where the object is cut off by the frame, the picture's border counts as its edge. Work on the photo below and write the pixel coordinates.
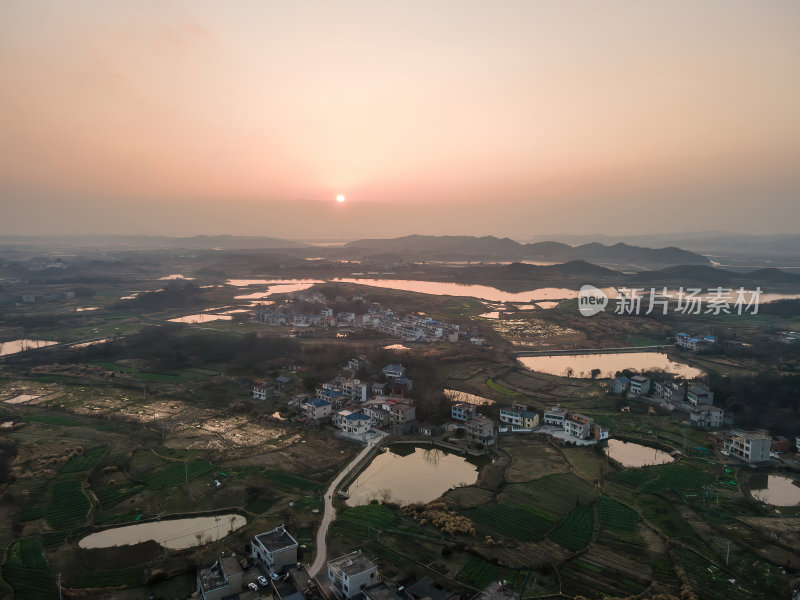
(575, 531)
(85, 461)
(26, 571)
(177, 473)
(468, 497)
(684, 474)
(68, 506)
(519, 522)
(554, 494)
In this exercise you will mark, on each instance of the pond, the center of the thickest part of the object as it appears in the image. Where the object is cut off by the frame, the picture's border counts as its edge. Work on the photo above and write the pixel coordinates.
(201, 318)
(777, 490)
(14, 346)
(608, 363)
(406, 476)
(175, 534)
(274, 286)
(630, 454)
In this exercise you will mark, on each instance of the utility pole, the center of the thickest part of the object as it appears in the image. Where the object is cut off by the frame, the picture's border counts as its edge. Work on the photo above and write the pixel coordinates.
(186, 472)
(728, 553)
(58, 584)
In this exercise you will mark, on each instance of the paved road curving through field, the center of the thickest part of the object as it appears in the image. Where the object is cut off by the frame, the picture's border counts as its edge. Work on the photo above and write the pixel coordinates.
(330, 513)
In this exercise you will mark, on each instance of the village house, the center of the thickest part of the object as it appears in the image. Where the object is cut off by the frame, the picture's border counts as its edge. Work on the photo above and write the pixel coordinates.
(402, 412)
(377, 412)
(462, 411)
(393, 371)
(639, 385)
(698, 393)
(483, 429)
(352, 573)
(752, 446)
(619, 385)
(688, 342)
(264, 389)
(519, 417)
(220, 580)
(555, 416)
(317, 409)
(275, 549)
(283, 383)
(356, 423)
(707, 417)
(670, 391)
(578, 425)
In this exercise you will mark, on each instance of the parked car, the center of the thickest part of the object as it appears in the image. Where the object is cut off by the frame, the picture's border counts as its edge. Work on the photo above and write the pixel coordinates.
(252, 586)
(262, 581)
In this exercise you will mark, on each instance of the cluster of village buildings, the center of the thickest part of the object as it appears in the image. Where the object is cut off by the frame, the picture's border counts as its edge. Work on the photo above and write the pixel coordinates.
(698, 400)
(272, 571)
(358, 409)
(408, 327)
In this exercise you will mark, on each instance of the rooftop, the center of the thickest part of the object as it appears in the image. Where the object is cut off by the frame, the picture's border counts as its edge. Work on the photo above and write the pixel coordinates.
(352, 563)
(216, 576)
(277, 539)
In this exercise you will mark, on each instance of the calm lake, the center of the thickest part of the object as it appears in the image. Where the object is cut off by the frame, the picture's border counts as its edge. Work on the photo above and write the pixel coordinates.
(777, 490)
(175, 534)
(609, 364)
(630, 454)
(420, 475)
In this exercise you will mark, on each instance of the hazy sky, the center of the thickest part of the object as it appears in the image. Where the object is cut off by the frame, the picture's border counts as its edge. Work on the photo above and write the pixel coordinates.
(505, 118)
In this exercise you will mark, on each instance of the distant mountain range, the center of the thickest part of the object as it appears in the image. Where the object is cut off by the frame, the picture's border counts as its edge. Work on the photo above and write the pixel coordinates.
(489, 248)
(150, 242)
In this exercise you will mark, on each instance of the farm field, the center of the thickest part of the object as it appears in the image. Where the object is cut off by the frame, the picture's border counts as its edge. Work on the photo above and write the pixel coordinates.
(575, 531)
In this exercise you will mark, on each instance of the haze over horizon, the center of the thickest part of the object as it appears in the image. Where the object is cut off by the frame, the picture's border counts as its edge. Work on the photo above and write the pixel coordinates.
(514, 119)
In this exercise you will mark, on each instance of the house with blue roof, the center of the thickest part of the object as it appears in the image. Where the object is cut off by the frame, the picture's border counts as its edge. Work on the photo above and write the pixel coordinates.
(317, 409)
(351, 422)
(394, 371)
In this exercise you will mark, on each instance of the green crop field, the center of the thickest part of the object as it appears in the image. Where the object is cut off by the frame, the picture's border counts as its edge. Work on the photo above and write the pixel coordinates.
(85, 461)
(553, 494)
(364, 518)
(617, 516)
(285, 480)
(575, 531)
(177, 473)
(55, 420)
(68, 506)
(114, 494)
(469, 496)
(131, 577)
(523, 523)
(26, 571)
(682, 475)
(478, 573)
(502, 389)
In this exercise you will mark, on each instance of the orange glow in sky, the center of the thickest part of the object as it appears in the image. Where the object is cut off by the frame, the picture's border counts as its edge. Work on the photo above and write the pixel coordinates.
(559, 116)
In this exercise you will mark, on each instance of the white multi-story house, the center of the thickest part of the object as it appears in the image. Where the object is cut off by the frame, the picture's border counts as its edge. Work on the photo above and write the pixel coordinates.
(264, 389)
(275, 549)
(706, 416)
(555, 416)
(482, 428)
(352, 573)
(639, 385)
(619, 385)
(670, 391)
(402, 412)
(393, 371)
(578, 426)
(520, 417)
(317, 409)
(749, 445)
(698, 393)
(379, 415)
(462, 411)
(356, 423)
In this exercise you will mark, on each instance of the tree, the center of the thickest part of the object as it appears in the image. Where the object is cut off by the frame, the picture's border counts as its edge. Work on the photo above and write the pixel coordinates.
(595, 373)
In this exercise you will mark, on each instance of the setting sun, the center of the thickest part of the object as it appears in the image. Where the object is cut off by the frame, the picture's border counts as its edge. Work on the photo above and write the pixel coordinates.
(340, 198)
